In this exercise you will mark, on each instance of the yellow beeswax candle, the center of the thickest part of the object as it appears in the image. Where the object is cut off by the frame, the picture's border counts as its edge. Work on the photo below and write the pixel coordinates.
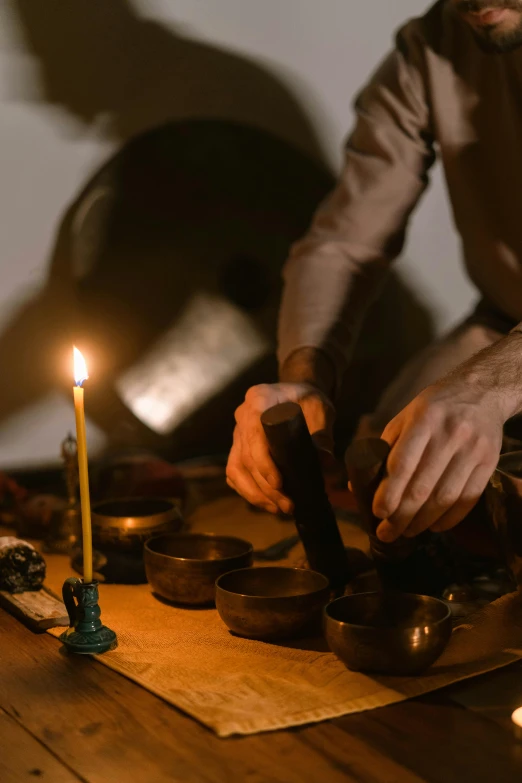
(81, 375)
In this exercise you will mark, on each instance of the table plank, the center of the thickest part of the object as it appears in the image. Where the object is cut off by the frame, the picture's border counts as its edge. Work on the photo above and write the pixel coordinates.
(23, 758)
(354, 755)
(440, 741)
(494, 696)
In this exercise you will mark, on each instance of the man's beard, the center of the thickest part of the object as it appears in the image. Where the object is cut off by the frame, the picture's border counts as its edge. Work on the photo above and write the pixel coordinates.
(490, 39)
(494, 42)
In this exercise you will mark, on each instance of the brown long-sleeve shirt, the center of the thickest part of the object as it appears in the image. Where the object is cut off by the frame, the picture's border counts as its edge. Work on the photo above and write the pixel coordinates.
(437, 93)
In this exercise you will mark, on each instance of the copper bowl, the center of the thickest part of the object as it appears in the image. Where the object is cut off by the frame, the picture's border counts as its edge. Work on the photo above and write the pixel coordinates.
(124, 522)
(272, 603)
(387, 633)
(183, 568)
(120, 528)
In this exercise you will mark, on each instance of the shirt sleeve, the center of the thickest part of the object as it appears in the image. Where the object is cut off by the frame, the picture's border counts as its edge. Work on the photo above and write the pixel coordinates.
(333, 273)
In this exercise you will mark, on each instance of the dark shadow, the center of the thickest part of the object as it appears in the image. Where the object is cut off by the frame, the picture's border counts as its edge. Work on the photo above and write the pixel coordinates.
(207, 203)
(188, 607)
(203, 206)
(315, 643)
(312, 644)
(461, 670)
(99, 59)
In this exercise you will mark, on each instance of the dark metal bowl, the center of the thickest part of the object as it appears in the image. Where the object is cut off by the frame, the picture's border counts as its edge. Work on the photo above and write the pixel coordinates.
(184, 567)
(388, 633)
(272, 603)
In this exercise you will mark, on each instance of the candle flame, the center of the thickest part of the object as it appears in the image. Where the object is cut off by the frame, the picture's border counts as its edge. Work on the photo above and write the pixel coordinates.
(80, 368)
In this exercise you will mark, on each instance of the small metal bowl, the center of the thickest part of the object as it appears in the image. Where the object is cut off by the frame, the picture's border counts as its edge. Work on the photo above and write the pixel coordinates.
(183, 568)
(272, 603)
(120, 528)
(127, 523)
(387, 633)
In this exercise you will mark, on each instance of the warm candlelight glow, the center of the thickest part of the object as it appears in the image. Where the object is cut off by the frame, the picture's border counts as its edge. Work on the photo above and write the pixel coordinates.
(80, 375)
(517, 717)
(80, 368)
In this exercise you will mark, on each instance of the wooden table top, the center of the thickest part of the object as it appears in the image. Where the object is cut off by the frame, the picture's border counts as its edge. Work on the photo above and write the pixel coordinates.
(67, 718)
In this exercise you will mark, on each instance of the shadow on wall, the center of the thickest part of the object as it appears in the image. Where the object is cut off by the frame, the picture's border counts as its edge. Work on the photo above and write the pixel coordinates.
(195, 207)
(101, 59)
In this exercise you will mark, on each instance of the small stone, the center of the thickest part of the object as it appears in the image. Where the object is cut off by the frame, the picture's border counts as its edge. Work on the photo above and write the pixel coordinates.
(21, 566)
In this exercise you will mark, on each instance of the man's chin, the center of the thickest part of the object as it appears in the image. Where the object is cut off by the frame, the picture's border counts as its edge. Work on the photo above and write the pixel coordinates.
(494, 41)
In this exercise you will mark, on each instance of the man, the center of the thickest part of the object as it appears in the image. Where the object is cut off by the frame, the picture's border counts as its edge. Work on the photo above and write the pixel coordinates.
(453, 82)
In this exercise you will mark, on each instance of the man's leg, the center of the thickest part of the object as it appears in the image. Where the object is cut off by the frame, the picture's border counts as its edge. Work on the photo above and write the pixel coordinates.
(479, 331)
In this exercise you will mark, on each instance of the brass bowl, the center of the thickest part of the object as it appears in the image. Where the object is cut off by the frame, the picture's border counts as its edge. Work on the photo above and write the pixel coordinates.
(125, 520)
(120, 528)
(183, 567)
(272, 603)
(387, 633)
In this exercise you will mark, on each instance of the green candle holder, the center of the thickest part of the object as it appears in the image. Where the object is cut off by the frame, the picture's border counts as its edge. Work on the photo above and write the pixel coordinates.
(86, 633)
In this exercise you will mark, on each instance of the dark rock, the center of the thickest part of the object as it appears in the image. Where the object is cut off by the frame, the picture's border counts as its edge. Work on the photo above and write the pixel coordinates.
(21, 566)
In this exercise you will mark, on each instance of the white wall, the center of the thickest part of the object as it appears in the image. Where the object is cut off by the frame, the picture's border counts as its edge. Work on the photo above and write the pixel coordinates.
(321, 52)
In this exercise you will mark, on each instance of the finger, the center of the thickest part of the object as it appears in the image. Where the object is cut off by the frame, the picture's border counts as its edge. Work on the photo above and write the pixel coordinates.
(239, 478)
(250, 451)
(430, 467)
(281, 501)
(403, 460)
(253, 438)
(469, 497)
(319, 415)
(245, 486)
(393, 430)
(445, 495)
(255, 444)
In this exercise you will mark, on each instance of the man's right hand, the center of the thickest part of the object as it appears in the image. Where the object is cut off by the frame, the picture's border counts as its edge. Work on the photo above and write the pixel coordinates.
(251, 470)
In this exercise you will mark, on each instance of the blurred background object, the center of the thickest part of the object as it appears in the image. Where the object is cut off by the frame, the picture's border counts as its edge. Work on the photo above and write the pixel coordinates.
(206, 134)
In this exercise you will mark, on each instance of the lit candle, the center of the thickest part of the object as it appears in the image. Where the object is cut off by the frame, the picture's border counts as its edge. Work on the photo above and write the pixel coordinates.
(517, 722)
(81, 375)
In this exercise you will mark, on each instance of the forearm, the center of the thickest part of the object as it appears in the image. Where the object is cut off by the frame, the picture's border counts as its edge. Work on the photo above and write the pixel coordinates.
(310, 365)
(495, 373)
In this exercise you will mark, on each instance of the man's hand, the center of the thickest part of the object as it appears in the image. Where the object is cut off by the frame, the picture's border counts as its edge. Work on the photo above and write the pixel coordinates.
(445, 446)
(251, 470)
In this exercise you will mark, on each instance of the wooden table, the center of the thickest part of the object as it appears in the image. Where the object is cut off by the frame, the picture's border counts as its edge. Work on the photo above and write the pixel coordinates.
(68, 718)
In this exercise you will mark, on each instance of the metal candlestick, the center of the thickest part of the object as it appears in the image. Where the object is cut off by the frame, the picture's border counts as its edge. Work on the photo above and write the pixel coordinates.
(86, 633)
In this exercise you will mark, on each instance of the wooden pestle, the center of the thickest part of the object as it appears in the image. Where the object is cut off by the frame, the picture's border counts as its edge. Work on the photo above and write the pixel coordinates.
(295, 454)
(365, 462)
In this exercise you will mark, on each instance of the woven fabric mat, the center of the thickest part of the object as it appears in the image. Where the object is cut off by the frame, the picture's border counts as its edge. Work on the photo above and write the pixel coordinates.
(237, 686)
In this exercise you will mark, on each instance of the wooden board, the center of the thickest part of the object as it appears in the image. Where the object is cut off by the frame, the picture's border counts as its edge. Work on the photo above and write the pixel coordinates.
(39, 609)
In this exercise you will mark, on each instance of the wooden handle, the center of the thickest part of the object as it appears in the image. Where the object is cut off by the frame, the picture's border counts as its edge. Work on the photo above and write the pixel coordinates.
(294, 453)
(365, 462)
